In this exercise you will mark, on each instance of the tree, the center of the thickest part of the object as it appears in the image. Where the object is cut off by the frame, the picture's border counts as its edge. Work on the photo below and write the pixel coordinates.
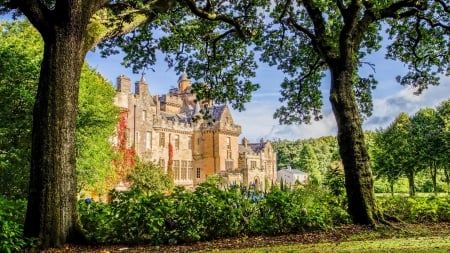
(150, 178)
(19, 70)
(310, 37)
(395, 154)
(71, 28)
(308, 162)
(443, 111)
(21, 52)
(96, 122)
(427, 131)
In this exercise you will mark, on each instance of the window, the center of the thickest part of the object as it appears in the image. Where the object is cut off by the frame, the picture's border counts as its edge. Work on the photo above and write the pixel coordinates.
(189, 170)
(198, 141)
(189, 143)
(229, 165)
(228, 143)
(183, 170)
(176, 169)
(229, 154)
(136, 141)
(162, 139)
(252, 164)
(177, 141)
(144, 115)
(198, 173)
(148, 140)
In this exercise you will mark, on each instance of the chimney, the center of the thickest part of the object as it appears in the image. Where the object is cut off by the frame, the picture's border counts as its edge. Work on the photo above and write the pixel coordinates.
(245, 142)
(123, 84)
(158, 106)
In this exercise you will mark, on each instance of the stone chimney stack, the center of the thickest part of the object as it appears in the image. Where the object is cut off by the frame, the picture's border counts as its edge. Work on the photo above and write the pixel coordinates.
(123, 84)
(245, 142)
(158, 106)
(141, 87)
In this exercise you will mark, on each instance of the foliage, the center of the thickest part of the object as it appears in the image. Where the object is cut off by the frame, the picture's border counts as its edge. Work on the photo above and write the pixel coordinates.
(207, 213)
(417, 209)
(309, 163)
(12, 217)
(96, 121)
(20, 57)
(150, 178)
(21, 50)
(309, 39)
(324, 149)
(125, 154)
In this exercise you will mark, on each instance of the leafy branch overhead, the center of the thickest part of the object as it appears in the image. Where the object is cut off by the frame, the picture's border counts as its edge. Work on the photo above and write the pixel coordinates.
(306, 39)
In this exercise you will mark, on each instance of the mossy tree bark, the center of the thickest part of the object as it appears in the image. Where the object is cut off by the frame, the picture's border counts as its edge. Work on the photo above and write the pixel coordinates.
(358, 176)
(52, 205)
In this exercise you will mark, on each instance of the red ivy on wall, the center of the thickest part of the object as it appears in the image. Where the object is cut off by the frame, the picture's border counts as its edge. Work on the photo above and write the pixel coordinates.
(170, 162)
(125, 160)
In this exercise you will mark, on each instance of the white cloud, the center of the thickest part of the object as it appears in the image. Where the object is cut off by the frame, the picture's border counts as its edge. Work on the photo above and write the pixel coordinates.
(257, 121)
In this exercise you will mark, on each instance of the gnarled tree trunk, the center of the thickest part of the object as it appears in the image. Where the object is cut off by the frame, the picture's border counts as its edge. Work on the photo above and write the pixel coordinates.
(358, 176)
(52, 205)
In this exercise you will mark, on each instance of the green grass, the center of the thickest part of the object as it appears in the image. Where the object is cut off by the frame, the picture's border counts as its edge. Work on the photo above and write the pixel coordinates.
(419, 244)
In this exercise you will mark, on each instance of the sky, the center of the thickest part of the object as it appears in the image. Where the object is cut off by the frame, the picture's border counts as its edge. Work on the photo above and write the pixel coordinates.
(257, 120)
(389, 98)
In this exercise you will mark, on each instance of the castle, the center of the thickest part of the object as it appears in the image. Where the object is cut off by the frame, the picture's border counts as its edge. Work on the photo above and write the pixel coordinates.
(162, 129)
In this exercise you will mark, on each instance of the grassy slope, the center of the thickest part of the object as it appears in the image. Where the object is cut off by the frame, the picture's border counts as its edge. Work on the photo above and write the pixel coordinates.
(420, 244)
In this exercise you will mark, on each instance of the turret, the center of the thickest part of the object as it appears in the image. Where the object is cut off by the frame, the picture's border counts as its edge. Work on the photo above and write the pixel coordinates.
(123, 84)
(183, 83)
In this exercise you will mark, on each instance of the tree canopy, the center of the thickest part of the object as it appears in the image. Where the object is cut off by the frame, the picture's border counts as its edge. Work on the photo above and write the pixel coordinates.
(21, 48)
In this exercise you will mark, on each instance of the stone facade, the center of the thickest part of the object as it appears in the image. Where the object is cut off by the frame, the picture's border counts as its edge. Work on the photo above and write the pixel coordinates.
(200, 147)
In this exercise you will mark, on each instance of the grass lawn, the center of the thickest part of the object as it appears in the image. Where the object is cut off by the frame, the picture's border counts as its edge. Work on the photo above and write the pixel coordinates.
(420, 244)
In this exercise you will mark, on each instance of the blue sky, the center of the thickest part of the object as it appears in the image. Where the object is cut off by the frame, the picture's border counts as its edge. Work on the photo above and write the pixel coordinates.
(257, 121)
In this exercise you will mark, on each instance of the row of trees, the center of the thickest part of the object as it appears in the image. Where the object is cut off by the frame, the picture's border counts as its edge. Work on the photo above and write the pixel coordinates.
(305, 39)
(413, 144)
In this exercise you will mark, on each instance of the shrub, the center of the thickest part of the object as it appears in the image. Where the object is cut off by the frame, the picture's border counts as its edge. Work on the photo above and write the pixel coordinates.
(12, 217)
(207, 213)
(417, 209)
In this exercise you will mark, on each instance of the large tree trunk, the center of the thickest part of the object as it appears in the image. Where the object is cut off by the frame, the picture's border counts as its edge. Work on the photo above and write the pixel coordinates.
(358, 175)
(52, 205)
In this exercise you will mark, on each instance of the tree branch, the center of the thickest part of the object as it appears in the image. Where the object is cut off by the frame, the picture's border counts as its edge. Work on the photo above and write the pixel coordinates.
(215, 17)
(35, 11)
(324, 49)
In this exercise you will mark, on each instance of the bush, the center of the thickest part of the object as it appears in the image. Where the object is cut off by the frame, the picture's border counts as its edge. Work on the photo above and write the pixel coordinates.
(12, 217)
(417, 209)
(207, 213)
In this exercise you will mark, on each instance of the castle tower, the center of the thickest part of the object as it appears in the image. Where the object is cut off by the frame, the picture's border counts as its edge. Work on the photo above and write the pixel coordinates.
(183, 83)
(123, 84)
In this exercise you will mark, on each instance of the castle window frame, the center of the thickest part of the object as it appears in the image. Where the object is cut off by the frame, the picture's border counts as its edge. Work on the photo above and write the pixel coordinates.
(144, 115)
(229, 164)
(148, 140)
(162, 139)
(177, 141)
(176, 169)
(183, 171)
(228, 143)
(198, 173)
(189, 170)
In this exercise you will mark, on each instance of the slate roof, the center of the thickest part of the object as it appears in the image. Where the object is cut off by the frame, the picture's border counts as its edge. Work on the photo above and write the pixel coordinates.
(252, 147)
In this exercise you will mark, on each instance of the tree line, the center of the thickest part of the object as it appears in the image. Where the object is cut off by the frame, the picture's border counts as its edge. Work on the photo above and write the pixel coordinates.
(414, 144)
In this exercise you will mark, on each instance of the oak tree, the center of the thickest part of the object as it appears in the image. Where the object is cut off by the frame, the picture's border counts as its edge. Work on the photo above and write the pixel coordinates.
(69, 29)
(310, 37)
